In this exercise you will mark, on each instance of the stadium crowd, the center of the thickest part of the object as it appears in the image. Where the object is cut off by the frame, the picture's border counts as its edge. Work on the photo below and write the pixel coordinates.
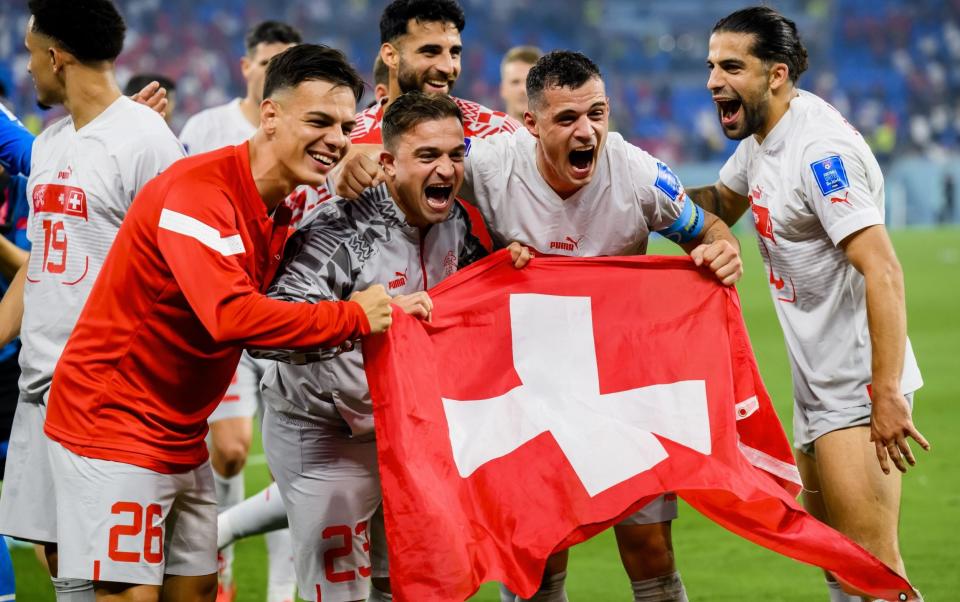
(888, 66)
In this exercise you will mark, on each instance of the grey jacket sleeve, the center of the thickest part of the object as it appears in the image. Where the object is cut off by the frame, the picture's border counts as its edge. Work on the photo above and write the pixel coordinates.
(318, 266)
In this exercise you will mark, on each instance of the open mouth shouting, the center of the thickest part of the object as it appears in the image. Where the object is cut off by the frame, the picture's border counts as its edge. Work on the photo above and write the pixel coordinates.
(730, 111)
(581, 161)
(439, 196)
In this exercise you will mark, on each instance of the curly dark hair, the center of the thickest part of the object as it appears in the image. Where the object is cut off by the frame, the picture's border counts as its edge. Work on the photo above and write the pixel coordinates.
(91, 30)
(396, 16)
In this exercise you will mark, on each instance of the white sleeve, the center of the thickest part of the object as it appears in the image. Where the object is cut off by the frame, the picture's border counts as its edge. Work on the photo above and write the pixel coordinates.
(190, 136)
(484, 173)
(733, 174)
(155, 152)
(657, 189)
(836, 186)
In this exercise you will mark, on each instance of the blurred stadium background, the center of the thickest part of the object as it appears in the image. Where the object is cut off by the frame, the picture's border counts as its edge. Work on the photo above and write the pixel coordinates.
(892, 68)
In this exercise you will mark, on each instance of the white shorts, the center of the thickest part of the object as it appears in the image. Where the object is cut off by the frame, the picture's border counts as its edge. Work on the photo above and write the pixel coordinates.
(809, 425)
(330, 486)
(124, 523)
(242, 399)
(28, 505)
(660, 510)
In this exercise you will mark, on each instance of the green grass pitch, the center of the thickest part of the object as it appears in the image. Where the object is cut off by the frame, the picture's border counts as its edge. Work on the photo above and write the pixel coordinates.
(716, 565)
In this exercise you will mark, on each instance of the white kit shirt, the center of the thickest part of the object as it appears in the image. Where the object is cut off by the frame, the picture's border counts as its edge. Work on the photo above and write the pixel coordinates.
(215, 128)
(631, 194)
(812, 183)
(81, 184)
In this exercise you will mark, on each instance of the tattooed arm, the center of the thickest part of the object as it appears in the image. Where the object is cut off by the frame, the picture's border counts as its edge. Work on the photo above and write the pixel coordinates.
(720, 201)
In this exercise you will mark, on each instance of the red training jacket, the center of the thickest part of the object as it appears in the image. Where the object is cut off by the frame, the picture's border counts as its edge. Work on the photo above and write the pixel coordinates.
(179, 297)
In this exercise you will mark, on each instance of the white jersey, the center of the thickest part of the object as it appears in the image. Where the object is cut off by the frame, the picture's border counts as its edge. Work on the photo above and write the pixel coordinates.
(631, 194)
(81, 184)
(812, 183)
(215, 128)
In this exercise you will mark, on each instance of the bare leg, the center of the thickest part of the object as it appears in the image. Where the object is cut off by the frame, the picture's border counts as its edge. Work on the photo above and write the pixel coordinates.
(861, 502)
(177, 588)
(646, 550)
(108, 591)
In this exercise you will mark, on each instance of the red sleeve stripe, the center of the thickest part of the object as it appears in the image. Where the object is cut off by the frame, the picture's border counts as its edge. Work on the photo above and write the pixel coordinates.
(201, 232)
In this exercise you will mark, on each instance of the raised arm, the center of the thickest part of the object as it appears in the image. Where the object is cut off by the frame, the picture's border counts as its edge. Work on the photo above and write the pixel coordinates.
(359, 170)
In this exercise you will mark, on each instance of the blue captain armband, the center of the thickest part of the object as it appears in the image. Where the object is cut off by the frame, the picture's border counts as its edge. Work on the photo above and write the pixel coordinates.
(688, 226)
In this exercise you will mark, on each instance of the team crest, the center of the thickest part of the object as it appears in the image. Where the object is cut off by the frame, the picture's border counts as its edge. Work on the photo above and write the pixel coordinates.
(449, 264)
(668, 182)
(830, 174)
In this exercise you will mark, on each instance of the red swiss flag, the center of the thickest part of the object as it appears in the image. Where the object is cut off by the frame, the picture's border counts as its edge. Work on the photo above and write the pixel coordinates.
(542, 405)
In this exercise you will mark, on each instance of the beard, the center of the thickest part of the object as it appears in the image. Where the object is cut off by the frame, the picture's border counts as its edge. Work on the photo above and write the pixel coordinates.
(755, 114)
(754, 117)
(409, 80)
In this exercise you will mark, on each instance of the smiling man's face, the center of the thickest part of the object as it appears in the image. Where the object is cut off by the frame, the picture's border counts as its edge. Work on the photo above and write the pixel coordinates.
(427, 57)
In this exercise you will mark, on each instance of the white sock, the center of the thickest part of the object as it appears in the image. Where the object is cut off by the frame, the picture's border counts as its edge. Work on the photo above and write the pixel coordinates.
(379, 596)
(506, 595)
(838, 595)
(282, 578)
(73, 590)
(229, 490)
(668, 588)
(551, 590)
(259, 513)
(229, 493)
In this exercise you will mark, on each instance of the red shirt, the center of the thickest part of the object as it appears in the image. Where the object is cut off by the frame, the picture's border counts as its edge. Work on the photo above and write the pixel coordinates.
(179, 297)
(478, 122)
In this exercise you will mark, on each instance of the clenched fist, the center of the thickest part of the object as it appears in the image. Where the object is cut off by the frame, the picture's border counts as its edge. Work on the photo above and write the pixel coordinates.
(376, 304)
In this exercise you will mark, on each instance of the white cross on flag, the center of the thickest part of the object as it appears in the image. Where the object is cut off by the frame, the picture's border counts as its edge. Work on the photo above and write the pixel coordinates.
(607, 438)
(539, 406)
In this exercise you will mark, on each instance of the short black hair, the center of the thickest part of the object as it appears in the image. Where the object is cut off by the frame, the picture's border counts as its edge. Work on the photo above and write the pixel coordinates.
(775, 37)
(138, 81)
(559, 69)
(413, 108)
(271, 32)
(308, 62)
(396, 16)
(91, 30)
